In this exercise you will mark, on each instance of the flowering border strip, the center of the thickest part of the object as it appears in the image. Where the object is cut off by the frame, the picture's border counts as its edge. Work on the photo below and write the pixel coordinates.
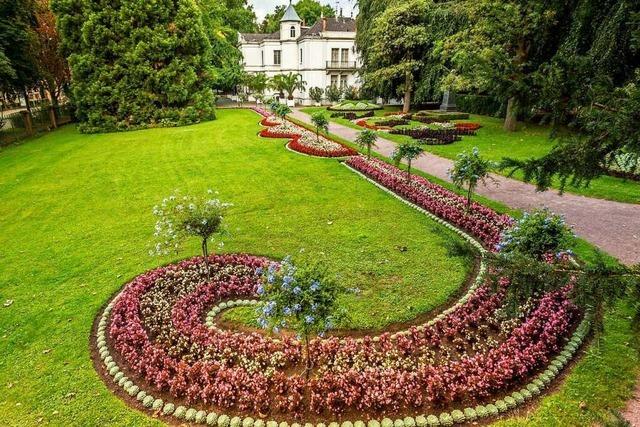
(218, 308)
(294, 143)
(456, 416)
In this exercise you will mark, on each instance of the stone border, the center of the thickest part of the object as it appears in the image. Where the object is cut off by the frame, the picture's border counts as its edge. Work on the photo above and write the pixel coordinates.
(455, 416)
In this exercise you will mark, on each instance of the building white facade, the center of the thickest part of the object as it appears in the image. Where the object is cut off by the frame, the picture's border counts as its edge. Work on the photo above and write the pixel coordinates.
(324, 54)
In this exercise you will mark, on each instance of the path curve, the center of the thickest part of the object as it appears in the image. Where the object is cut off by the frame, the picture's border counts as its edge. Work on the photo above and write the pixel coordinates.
(612, 226)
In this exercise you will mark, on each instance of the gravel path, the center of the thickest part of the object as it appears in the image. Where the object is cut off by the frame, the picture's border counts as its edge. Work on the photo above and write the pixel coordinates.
(612, 226)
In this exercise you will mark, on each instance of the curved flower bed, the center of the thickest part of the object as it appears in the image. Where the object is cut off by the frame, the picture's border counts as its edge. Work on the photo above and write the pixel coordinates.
(159, 332)
(482, 222)
(468, 126)
(301, 139)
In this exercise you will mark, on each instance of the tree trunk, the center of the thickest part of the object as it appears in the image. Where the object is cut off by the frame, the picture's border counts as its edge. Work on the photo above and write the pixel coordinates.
(406, 106)
(368, 151)
(26, 99)
(307, 365)
(409, 170)
(205, 255)
(511, 119)
(469, 193)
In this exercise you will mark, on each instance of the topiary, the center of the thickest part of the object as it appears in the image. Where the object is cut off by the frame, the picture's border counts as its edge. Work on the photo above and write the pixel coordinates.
(168, 409)
(526, 394)
(180, 412)
(157, 404)
(398, 423)
(533, 389)
(409, 422)
(356, 424)
(446, 419)
(147, 401)
(492, 410)
(201, 417)
(481, 411)
(501, 405)
(386, 422)
(345, 424)
(141, 395)
(212, 418)
(433, 421)
(518, 397)
(470, 414)
(373, 423)
(133, 390)
(458, 416)
(235, 422)
(190, 415)
(247, 422)
(223, 420)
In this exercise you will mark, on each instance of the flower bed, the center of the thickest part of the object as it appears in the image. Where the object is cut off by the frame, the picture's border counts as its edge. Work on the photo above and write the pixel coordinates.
(367, 125)
(482, 222)
(301, 139)
(468, 126)
(153, 333)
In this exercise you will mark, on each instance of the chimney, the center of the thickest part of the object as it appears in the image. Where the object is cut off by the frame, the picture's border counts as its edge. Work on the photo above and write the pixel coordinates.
(324, 24)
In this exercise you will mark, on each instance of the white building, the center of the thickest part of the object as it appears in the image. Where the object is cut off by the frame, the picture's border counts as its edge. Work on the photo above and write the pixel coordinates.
(324, 54)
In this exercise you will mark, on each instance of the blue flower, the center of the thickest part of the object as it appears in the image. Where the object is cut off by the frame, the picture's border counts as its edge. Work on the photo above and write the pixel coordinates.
(309, 319)
(260, 290)
(315, 285)
(259, 271)
(297, 290)
(297, 307)
(287, 311)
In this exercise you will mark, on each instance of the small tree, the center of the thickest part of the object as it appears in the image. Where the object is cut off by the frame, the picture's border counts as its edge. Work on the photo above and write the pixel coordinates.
(303, 300)
(183, 216)
(468, 170)
(282, 110)
(320, 122)
(288, 83)
(334, 93)
(409, 151)
(366, 139)
(316, 94)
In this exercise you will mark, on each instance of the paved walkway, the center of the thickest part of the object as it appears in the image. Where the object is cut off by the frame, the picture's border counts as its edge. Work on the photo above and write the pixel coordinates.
(612, 226)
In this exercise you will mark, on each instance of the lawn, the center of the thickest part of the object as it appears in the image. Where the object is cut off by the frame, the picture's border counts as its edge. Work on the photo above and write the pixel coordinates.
(76, 224)
(530, 141)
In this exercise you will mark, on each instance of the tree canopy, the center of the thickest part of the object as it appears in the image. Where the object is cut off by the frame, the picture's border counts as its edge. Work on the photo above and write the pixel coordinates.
(308, 10)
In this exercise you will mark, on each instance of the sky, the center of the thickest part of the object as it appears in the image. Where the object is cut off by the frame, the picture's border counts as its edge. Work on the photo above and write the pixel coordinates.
(262, 7)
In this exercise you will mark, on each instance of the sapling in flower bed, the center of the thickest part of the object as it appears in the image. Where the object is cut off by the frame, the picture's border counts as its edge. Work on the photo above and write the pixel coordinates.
(366, 139)
(183, 216)
(320, 122)
(408, 151)
(469, 169)
(304, 300)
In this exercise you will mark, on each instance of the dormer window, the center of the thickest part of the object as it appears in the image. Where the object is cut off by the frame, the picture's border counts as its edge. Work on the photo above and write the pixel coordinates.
(292, 32)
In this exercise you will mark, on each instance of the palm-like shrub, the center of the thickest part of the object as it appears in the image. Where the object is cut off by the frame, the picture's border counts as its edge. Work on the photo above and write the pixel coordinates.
(288, 83)
(333, 93)
(408, 151)
(470, 169)
(366, 139)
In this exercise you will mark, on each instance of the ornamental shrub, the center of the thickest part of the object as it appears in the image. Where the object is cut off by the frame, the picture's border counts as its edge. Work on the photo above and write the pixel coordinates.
(481, 411)
(223, 420)
(518, 397)
(537, 234)
(510, 401)
(201, 417)
(356, 424)
(345, 424)
(433, 421)
(235, 422)
(492, 410)
(183, 216)
(501, 405)
(398, 423)
(469, 170)
(141, 395)
(458, 416)
(373, 423)
(409, 422)
(168, 409)
(136, 66)
(470, 414)
(190, 415)
(259, 423)
(386, 422)
(147, 401)
(180, 412)
(316, 93)
(446, 419)
(247, 422)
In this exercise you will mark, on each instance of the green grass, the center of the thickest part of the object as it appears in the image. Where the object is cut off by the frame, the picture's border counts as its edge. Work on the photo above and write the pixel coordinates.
(76, 224)
(530, 141)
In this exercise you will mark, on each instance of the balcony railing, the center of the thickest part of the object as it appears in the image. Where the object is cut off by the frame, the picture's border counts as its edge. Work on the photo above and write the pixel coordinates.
(341, 65)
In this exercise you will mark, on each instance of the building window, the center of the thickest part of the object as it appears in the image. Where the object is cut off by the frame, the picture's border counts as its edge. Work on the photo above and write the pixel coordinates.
(344, 58)
(343, 82)
(301, 56)
(292, 31)
(276, 57)
(262, 57)
(334, 80)
(335, 57)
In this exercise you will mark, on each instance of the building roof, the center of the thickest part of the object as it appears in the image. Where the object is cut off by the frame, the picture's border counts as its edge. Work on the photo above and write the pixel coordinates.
(290, 14)
(337, 24)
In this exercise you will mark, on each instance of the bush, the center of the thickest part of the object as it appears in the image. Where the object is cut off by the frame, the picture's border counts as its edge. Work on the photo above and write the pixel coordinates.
(333, 93)
(537, 234)
(479, 104)
(352, 92)
(316, 94)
